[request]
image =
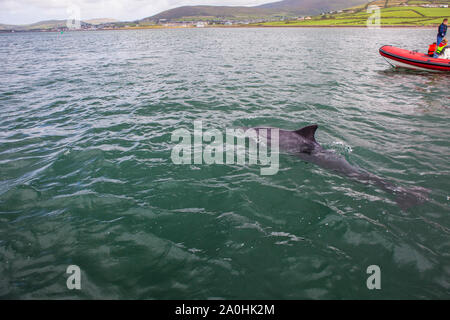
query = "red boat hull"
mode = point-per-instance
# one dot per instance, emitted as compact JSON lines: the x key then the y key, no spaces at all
{"x":413,"y":60}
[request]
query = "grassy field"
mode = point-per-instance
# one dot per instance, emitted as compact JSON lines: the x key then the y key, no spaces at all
{"x":393,"y":13}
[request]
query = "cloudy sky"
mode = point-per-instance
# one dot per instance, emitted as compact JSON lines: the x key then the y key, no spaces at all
{"x":29,"y":11}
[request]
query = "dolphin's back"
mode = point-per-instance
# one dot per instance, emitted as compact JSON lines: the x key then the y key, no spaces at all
{"x":302,"y":143}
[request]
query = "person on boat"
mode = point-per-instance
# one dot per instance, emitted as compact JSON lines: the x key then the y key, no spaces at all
{"x":442,"y":31}
{"x":432,"y":49}
{"x":441,"y":48}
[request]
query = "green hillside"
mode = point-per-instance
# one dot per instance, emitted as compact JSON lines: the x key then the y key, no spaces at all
{"x":42,"y":25}
{"x":52,"y":25}
{"x":393,"y":12}
{"x":289,"y":8}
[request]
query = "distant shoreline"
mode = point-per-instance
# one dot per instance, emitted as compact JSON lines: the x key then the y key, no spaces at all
{"x":321,"y":26}
{"x":230,"y":27}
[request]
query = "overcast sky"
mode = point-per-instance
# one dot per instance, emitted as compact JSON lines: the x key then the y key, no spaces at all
{"x":29,"y":11}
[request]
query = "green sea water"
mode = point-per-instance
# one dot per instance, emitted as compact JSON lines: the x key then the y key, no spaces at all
{"x":86,"y":176}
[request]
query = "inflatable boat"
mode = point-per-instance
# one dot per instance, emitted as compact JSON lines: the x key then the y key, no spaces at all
{"x":413,"y":60}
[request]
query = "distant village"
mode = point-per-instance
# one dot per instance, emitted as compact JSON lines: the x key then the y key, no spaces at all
{"x":166,"y":23}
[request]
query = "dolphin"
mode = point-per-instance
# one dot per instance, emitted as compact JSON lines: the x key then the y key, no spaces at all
{"x":302,"y":143}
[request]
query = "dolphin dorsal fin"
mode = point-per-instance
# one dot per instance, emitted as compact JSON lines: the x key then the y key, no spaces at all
{"x":308,"y":132}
